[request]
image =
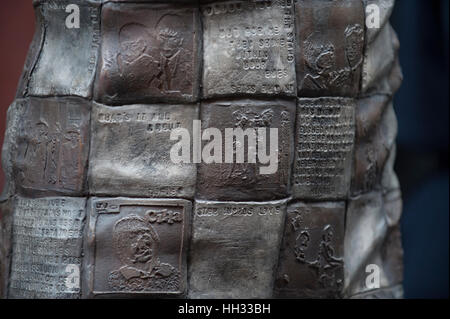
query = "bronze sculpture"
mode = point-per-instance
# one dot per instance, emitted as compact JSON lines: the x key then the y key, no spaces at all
{"x":95,"y":207}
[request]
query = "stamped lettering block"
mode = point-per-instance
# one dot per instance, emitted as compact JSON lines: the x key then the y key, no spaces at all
{"x":330,"y":40}
{"x":245,"y":181}
{"x":52,"y":146}
{"x":46,"y":247}
{"x":136,"y":247}
{"x":150,"y":53}
{"x":234,"y":248}
{"x":249,"y":48}
{"x":324,"y":148}
{"x":130,"y":153}
{"x":68,"y":56}
{"x":311,"y":263}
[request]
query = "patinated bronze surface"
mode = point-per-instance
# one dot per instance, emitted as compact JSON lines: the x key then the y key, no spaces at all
{"x":243,"y":181}
{"x":94,"y":206}
{"x":136,"y":247}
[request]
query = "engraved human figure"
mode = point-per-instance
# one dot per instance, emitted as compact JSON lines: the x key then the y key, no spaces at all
{"x":35,"y":154}
{"x":320,"y":57}
{"x":136,"y":244}
{"x":327,"y":263}
{"x":40,"y":163}
{"x":136,"y":65}
{"x":70,"y":156}
{"x":320,"y":60}
{"x":175,"y":61}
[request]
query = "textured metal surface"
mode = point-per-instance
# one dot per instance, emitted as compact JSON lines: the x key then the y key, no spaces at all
{"x":395,"y":292}
{"x":130,"y":153}
{"x":311,"y":260}
{"x":47,"y":237}
{"x":372,"y":238}
{"x":324,"y":148}
{"x":376,"y":129}
{"x":381,"y":72}
{"x":136,"y":247}
{"x":6,"y":211}
{"x":149,"y":53}
{"x":244,"y":181}
{"x":68,"y":56}
{"x":93,"y":115}
{"x":52,"y":146}
{"x":9,"y":148}
{"x":248,"y":48}
{"x":234,"y":248}
{"x":330,"y":37}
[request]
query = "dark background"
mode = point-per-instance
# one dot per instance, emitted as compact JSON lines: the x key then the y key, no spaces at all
{"x":422,"y":107}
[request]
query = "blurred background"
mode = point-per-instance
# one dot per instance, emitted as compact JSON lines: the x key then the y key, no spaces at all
{"x":422,"y":107}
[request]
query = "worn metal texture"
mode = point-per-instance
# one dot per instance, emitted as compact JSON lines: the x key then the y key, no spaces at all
{"x":92,"y":185}
{"x":234,"y":248}
{"x":248,"y":48}
{"x":46,"y":239}
{"x":395,"y":292}
{"x":136,"y":247}
{"x":6,"y":211}
{"x":244,"y":181}
{"x":149,"y":53}
{"x":52,"y":145}
{"x":376,"y":130}
{"x":130,"y":153}
{"x":330,"y":40}
{"x":311,"y":259}
{"x":373,"y":238}
{"x":9,"y":148}
{"x":67,"y":56}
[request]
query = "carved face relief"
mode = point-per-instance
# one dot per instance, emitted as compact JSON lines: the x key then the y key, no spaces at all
{"x":149,"y":54}
{"x":137,"y":249}
{"x":329,"y":61}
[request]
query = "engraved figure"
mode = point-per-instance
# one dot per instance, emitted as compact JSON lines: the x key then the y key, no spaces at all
{"x":35,"y":154}
{"x":354,"y":42}
{"x":70,"y":157}
{"x":136,"y":244}
{"x":175,"y":61}
{"x":320,"y":57}
{"x":137,"y":67}
{"x":326,"y":264}
{"x":40,"y":163}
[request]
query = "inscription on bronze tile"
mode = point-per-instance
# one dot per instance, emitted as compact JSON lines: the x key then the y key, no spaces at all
{"x":47,"y":238}
{"x":330,"y":39}
{"x":137,"y":247}
{"x":68,"y":58}
{"x":130,"y":153}
{"x":234,"y":248}
{"x":249,"y":48}
{"x":52,"y":146}
{"x":311,"y":261}
{"x":149,"y":53}
{"x":244,"y":181}
{"x":324,"y":145}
